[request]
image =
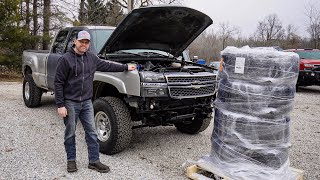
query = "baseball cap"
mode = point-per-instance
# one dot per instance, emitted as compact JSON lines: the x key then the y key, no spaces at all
{"x":83,"y":35}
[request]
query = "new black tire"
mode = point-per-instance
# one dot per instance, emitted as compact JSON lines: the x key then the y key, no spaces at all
{"x":195,"y":126}
{"x":31,"y":93}
{"x":113,"y":124}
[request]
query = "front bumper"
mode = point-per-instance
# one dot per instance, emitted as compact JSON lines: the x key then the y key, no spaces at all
{"x":309,"y":78}
{"x":165,"y":111}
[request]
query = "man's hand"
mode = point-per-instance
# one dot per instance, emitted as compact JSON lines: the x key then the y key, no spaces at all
{"x":131,"y":67}
{"x":62,"y":112}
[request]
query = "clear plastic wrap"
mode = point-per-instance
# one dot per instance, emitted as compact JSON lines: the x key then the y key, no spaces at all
{"x":262,"y":65}
{"x":266,"y":101}
{"x":250,"y":139}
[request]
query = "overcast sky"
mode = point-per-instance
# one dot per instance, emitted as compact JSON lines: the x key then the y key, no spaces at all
{"x":245,"y":14}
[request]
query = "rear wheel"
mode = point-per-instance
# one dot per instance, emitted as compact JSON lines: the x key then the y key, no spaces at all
{"x":199,"y":124}
{"x":31,"y":93}
{"x":113,"y":124}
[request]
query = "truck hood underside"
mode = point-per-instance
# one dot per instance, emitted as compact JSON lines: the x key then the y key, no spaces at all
{"x":166,"y":28}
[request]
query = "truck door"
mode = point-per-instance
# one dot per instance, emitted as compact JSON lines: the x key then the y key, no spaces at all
{"x":57,"y":50}
{"x":61,"y":45}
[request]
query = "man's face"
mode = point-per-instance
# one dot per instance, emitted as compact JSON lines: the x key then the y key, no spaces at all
{"x":82,"y":45}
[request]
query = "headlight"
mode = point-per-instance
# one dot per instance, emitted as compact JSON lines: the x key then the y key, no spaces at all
{"x":154,"y":90}
{"x":153,"y":85}
{"x":152,"y":77}
{"x":308,"y":65}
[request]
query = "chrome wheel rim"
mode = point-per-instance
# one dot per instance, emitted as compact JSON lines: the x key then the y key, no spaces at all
{"x":26,"y":90}
{"x":103,"y":126}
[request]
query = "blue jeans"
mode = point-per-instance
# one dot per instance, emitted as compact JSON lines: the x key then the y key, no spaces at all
{"x":84,"y":112}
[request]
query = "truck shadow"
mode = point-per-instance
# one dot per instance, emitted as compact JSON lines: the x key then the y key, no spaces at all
{"x":47,"y":100}
{"x":309,"y":90}
{"x":158,"y":139}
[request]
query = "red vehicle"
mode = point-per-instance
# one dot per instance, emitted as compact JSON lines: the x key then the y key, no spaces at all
{"x":309,"y":70}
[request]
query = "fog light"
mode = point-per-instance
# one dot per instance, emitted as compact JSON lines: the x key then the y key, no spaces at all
{"x":160,"y":92}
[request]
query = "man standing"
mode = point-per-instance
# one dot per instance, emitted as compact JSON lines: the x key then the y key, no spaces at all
{"x":73,"y":92}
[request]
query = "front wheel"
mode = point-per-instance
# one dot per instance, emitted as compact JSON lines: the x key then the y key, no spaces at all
{"x":113,"y":124}
{"x":31,"y":93}
{"x":195,"y":126}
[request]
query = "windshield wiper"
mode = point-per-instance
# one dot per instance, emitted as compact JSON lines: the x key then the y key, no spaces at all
{"x":126,"y":53}
{"x":153,"y":54}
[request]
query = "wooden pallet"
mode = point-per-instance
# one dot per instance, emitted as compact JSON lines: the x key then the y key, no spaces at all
{"x":195,"y":171}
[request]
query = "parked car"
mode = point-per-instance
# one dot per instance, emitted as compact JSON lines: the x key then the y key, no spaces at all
{"x":309,"y":68}
{"x":166,"y":89}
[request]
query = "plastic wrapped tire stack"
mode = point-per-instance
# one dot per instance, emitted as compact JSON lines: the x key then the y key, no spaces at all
{"x":250,"y":139}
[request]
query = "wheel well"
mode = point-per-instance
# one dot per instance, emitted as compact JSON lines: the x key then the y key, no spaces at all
{"x":27,"y":70}
{"x":102,"y":89}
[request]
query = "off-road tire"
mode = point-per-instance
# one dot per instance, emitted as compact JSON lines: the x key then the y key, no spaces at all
{"x":31,"y":93}
{"x":120,"y":122}
{"x":195,"y":126}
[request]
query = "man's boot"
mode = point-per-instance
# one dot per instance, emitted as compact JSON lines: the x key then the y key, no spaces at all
{"x":72,"y":166}
{"x":98,"y":166}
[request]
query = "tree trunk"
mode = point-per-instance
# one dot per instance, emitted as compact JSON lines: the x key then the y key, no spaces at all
{"x":35,"y":23}
{"x":35,"y":17}
{"x":46,"y":24}
{"x":223,"y":43}
{"x":27,"y":26}
{"x":81,"y":12}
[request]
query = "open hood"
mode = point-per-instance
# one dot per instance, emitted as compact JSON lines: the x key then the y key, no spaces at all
{"x":166,"y":28}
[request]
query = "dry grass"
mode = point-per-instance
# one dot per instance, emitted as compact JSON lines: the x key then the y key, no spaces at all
{"x":11,"y":76}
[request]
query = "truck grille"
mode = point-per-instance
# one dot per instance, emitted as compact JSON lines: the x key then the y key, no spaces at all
{"x":190,"y":79}
{"x":189,"y":92}
{"x":190,"y":86}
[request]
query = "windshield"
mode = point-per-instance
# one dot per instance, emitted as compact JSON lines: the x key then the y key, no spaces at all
{"x":309,"y":54}
{"x":99,"y":37}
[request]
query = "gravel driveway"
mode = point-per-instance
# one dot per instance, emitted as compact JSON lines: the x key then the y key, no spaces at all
{"x":31,"y":143}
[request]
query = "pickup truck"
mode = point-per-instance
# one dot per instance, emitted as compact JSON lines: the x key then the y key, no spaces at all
{"x":309,"y":68}
{"x":166,"y":89}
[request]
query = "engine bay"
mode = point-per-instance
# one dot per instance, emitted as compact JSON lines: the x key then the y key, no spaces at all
{"x":169,"y":66}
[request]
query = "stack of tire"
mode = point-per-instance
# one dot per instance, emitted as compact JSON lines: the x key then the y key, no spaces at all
{"x":251,"y":123}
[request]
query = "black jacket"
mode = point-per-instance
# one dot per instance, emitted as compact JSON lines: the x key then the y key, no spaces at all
{"x":74,"y":75}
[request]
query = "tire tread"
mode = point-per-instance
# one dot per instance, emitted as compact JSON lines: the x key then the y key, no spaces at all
{"x":35,"y":93}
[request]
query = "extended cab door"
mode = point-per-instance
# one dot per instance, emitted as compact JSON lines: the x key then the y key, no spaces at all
{"x":57,"y":50}
{"x":63,"y":42}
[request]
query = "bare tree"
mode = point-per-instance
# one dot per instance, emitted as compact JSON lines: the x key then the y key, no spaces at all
{"x":143,"y":3}
{"x":292,"y":39}
{"x":64,"y":12}
{"x":206,"y":46}
{"x":226,"y":31}
{"x":313,"y":13}
{"x":270,"y":30}
{"x":115,"y":13}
